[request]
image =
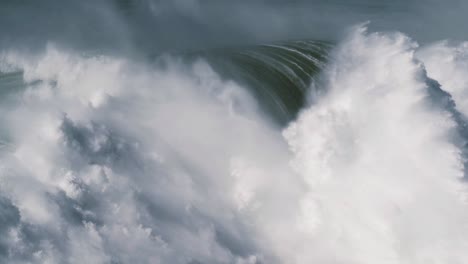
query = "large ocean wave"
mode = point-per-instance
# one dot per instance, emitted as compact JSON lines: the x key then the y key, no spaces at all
{"x":289,"y":152}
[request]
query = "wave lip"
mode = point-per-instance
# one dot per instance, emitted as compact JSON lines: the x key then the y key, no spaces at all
{"x":279,"y":75}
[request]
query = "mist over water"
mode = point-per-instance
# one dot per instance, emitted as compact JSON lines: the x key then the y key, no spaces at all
{"x":155,"y":26}
{"x":221,"y":132}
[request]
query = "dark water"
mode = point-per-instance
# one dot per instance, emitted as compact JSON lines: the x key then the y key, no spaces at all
{"x":279,"y":75}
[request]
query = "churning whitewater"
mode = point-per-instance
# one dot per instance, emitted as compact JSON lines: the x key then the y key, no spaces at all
{"x":190,"y":159}
{"x":108,"y":161}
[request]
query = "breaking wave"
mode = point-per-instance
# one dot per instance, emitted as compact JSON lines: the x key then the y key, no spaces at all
{"x":296,"y":152}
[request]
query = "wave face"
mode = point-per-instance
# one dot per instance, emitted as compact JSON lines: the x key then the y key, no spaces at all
{"x":278,"y":75}
{"x":291,"y":152}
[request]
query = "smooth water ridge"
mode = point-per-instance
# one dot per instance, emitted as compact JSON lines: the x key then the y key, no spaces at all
{"x":190,"y":132}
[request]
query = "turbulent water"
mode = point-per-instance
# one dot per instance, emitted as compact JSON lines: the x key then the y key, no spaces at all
{"x":288,"y":151}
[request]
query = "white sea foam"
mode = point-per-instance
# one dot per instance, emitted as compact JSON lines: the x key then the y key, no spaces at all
{"x":120,"y":161}
{"x":384,"y":181}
